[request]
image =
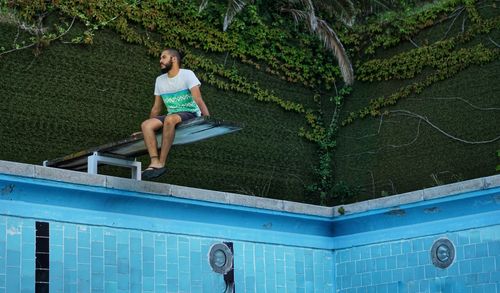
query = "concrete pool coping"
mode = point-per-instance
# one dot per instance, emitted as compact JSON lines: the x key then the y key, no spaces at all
{"x":164,"y":189}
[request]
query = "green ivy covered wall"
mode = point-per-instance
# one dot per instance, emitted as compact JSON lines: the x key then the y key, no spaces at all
{"x":421,"y":112}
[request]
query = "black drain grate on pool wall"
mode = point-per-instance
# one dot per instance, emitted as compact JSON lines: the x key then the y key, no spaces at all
{"x":42,"y":258}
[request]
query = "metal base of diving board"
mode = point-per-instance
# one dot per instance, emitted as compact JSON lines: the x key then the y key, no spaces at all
{"x":123,"y":153}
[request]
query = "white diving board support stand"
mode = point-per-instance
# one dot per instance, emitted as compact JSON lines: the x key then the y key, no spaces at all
{"x":123,"y":153}
{"x":95,"y":159}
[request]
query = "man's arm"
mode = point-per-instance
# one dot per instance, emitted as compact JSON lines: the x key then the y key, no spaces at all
{"x":196,"y":93}
{"x":157,"y":107}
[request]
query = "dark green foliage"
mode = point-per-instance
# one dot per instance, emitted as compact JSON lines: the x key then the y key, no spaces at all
{"x":424,"y":110}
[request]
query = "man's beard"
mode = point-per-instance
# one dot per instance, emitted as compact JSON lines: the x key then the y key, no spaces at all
{"x":167,"y":67}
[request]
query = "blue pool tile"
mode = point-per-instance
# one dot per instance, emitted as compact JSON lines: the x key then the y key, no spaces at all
{"x":345,"y":282}
{"x":474,"y":236}
{"x":97,"y":249}
{"x":424,"y":286}
{"x":464,"y":267}
{"x":365,"y":252}
{"x":70,"y":261}
{"x":69,"y":231}
{"x":111,"y":287}
{"x":83,"y":255}
{"x":429,"y":241}
{"x":412,"y":259}
{"x":110,"y":273}
{"x":396,"y":248}
{"x":97,"y":265}
{"x":430,"y":271}
{"x":148,"y":269}
{"x":184,"y":265}
{"x":161,"y":277}
{"x":401,"y":261}
{"x":391,"y":262}
{"x":161,"y":262}
{"x":495,"y":276}
{"x":355,"y":253}
{"x":110,"y":257}
{"x":406,"y":247}
{"x":385,"y":249}
{"x":483,"y":278}
{"x":172,"y":271}
{"x":369,"y":265}
{"x":83,"y":236}
{"x":476,"y":265}
{"x":13,"y":258}
{"x":376,"y":278}
{"x":96,"y":234}
{"x":344,"y":255}
{"x":350,"y":268}
{"x":341,"y":269}
{"x":463,"y":238}
{"x":417,"y":245}
{"x":419,"y":272}
{"x":356,"y":280}
{"x":2,"y":265}
{"x":489,"y":264}
{"x":161,"y":247}
{"x":380,"y":264}
{"x":423,"y":258}
{"x":135,"y":245}
{"x":148,"y":284}
{"x":148,"y":254}
{"x":366,"y":279}
{"x":470,"y":251}
{"x":494,"y":248}
{"x":122,"y":236}
{"x":123,"y":250}
{"x":172,"y":242}
{"x":360,"y":266}
{"x":453,"y":270}
{"x":299,"y":267}
{"x":383,"y":288}
{"x":481,"y":250}
{"x":375,"y":251}
{"x":397,"y":275}
{"x":490,"y":287}
{"x":386,"y":277}
{"x":408,"y":275}
{"x":109,"y":241}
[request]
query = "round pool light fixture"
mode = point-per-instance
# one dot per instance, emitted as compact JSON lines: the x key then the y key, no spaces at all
{"x":220,"y":258}
{"x":442,"y":253}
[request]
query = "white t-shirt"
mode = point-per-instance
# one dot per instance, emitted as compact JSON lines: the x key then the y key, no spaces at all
{"x":176,"y":93}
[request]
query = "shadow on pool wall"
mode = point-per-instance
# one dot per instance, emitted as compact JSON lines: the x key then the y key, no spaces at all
{"x":66,"y":231}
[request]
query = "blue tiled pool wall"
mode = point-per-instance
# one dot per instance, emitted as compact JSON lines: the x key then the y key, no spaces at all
{"x":102,"y":259}
{"x":406,"y":265}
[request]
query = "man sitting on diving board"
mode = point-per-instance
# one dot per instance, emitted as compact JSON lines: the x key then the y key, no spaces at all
{"x":179,"y":90}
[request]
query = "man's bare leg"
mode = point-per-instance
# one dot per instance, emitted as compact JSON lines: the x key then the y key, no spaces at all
{"x":169,"y":125}
{"x":149,"y":128}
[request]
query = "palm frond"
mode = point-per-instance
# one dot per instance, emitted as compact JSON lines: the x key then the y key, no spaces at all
{"x":332,"y":43}
{"x":203,"y":5}
{"x":301,"y":15}
{"x":233,"y":7}
{"x":329,"y":38}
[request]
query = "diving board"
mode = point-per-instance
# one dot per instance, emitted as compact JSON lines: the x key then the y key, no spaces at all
{"x":123,"y":153}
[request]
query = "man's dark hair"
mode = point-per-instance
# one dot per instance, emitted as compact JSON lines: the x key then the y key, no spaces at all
{"x":176,"y":54}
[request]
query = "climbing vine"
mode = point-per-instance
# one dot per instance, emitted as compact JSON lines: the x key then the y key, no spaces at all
{"x":277,"y":47}
{"x":446,"y":57}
